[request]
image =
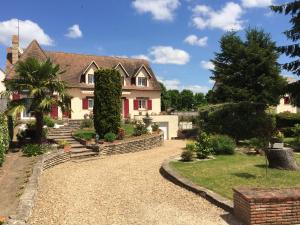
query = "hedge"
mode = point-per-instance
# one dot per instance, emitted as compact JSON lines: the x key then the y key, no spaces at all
{"x":243,"y":120}
{"x":4,"y":137}
{"x":287,"y":119}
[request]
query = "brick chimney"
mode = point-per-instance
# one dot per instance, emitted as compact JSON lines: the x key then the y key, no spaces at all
{"x":15,"y":49}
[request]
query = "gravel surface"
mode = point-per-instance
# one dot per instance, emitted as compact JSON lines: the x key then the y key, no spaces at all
{"x":121,"y":190}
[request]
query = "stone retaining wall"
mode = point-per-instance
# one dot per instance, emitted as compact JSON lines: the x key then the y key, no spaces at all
{"x":134,"y":145}
{"x":55,"y":159}
{"x":267,"y":206}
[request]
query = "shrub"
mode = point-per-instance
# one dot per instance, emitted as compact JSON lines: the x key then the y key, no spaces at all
{"x":238,"y":120}
{"x":107,"y":101}
{"x":296,"y":130}
{"x":85,"y":134}
{"x":33,"y":150}
{"x":63,"y":143}
{"x":121,"y":133}
{"x":87,"y":123}
{"x":155,"y":127}
{"x":139,"y":129}
{"x":48,"y":121}
{"x":110,"y":137}
{"x":223,"y":145}
{"x":187,"y":155}
{"x":190,"y":146}
{"x":4,"y":137}
{"x":30,"y":133}
{"x":203,"y":146}
{"x":287,"y":119}
{"x":258,"y":143}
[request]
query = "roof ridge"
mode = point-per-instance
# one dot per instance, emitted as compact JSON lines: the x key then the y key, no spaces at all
{"x":85,"y":54}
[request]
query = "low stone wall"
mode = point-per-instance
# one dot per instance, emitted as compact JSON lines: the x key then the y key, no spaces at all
{"x":56,"y":158}
{"x":267,"y":206}
{"x":133,"y":145}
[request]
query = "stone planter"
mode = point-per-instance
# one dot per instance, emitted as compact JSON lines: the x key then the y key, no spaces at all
{"x":148,"y":122}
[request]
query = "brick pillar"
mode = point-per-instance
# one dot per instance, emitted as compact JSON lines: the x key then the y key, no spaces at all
{"x":15,"y":49}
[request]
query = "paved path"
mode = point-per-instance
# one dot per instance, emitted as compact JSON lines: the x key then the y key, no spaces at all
{"x":120,"y":190}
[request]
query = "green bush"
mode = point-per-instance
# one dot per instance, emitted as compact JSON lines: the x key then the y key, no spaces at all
{"x":87,"y":123}
{"x":187,"y":155}
{"x":48,"y":121}
{"x":85,"y":134}
{"x":238,"y":120}
{"x":203,"y":146}
{"x":190,"y":146}
{"x":107,"y":101}
{"x":296,"y":130}
{"x":33,"y":150}
{"x":110,"y":137}
{"x":287,"y":119}
{"x":223,"y":145}
{"x":258,"y":143}
{"x":4,"y":137}
{"x":139,"y":129}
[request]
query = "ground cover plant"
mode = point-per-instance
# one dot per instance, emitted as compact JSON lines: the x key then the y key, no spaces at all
{"x":228,"y":171}
{"x":4,"y":137}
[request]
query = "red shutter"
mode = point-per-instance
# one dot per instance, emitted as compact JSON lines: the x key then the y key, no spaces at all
{"x":135,"y":104}
{"x":149,"y":104}
{"x":54,"y":111}
{"x":126,"y":108}
{"x":16,"y":96}
{"x":85,"y":103}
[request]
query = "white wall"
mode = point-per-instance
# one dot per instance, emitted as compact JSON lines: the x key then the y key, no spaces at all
{"x":2,"y":77}
{"x":285,"y":107}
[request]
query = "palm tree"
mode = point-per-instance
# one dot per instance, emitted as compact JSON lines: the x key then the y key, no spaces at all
{"x":40,"y":82}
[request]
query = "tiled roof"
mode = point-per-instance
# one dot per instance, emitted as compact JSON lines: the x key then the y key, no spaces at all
{"x":74,"y":65}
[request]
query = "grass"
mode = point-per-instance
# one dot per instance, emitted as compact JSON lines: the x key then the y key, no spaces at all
{"x":226,"y":172}
{"x":89,"y":133}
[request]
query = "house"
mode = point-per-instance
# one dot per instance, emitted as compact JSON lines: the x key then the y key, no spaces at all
{"x":3,"y":100}
{"x":140,"y":88}
{"x":285,"y":103}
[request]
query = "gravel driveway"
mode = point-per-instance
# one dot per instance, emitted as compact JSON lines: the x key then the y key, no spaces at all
{"x":120,"y":190}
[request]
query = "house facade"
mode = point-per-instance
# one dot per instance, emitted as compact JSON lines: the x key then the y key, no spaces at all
{"x":285,"y":102}
{"x":140,"y":88}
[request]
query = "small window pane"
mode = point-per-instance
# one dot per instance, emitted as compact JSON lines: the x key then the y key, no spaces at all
{"x":90,"y":78}
{"x":91,"y":103}
{"x":142,"y":81}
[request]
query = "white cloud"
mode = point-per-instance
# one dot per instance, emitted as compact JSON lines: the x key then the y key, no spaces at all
{"x":176,"y":84}
{"x":257,"y":3}
{"x":196,"y":41}
{"x":208,"y":65}
{"x":169,"y":55}
{"x":74,"y":32}
{"x":228,"y":18}
{"x":28,"y":31}
{"x":160,"y":9}
{"x":211,"y":81}
{"x":141,"y":57}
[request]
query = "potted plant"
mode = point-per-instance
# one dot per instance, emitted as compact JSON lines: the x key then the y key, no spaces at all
{"x":65,"y":145}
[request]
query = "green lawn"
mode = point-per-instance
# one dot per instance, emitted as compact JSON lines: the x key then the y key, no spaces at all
{"x":89,"y":133}
{"x":226,"y":172}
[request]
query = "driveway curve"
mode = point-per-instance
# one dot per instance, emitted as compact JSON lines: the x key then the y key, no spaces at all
{"x":121,"y":190}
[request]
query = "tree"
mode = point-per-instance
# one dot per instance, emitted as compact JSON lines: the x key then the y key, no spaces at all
{"x":107,"y":101}
{"x":40,"y":82}
{"x":186,"y":99}
{"x":199,"y":99}
{"x":165,"y":98}
{"x":292,"y":50}
{"x":247,"y":70}
{"x":174,"y":99}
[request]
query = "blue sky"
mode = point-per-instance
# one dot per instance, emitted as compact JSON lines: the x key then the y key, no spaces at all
{"x":178,"y":36}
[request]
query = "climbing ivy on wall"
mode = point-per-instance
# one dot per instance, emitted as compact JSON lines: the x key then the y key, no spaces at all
{"x":4,"y":137}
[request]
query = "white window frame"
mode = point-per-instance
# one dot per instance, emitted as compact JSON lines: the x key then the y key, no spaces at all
{"x":88,"y":80}
{"x":140,"y":82}
{"x":26,"y":115}
{"x":89,"y":101}
{"x":142,"y":103}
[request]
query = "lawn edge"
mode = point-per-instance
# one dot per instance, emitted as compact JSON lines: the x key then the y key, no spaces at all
{"x":172,"y":175}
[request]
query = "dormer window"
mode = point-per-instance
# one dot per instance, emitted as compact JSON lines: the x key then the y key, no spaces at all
{"x":142,"y":81}
{"x":90,"y":79}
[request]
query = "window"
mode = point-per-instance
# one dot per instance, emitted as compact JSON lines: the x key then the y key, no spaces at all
{"x":91,"y":103}
{"x":142,"y":103}
{"x":90,"y":78}
{"x":286,"y":100}
{"x":142,"y":81}
{"x":26,"y":112}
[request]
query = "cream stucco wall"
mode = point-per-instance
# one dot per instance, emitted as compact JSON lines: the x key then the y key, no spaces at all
{"x":76,"y":103}
{"x":286,"y":107}
{"x":2,"y":77}
{"x":170,"y":120}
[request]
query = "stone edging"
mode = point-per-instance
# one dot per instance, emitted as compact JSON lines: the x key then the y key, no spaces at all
{"x":173,"y":176}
